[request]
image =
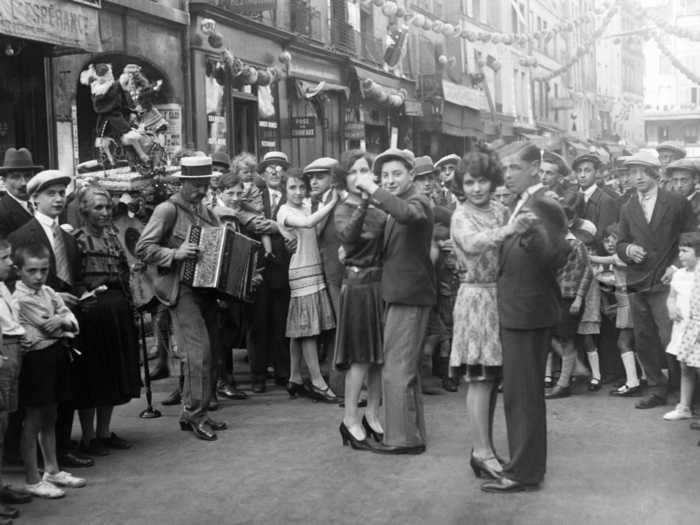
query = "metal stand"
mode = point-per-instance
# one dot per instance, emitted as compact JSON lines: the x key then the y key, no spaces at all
{"x":149,"y":412}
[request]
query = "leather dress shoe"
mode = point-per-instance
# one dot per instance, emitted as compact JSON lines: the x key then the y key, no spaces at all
{"x":8,"y":512}
{"x":158,"y":372}
{"x":558,"y":392}
{"x":652,"y":401}
{"x":503,"y":485}
{"x":73,"y":460}
{"x":627,"y":391}
{"x":695,"y":425}
{"x":11,"y":496}
{"x":216,"y":425}
{"x":229,"y":391}
{"x":115,"y":442}
{"x":200,"y":430}
{"x":175,"y":398}
{"x":259,"y":387}
{"x":381,"y":448}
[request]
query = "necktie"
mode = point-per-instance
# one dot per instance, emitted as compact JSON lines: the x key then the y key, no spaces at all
{"x":314,"y":206}
{"x":275,"y":199}
{"x":30,"y":207}
{"x":59,"y":252}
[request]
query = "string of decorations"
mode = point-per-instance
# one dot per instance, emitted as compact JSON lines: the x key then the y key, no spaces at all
{"x":392,"y":10}
{"x":665,"y":26}
{"x":242,"y":75}
{"x":695,"y":79}
{"x":584,"y":49}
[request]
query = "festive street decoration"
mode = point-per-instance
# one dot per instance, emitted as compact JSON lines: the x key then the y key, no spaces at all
{"x":241,"y":75}
{"x":379,"y":94}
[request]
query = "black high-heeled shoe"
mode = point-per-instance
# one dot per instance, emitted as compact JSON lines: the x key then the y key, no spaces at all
{"x":349,"y":439}
{"x":377,"y":436}
{"x":295,"y":389}
{"x":324,"y":395}
{"x":481,"y":469}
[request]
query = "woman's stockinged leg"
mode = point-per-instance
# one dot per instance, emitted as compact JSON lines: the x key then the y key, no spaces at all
{"x":310,"y":352}
{"x":354,"y":378}
{"x":479,"y":414}
{"x":295,"y":361}
{"x":374,"y":397}
{"x":104,"y":421}
{"x":87,"y":424}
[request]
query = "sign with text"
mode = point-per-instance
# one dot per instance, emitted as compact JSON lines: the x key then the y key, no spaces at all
{"x":54,"y":21}
{"x":268,"y":134}
{"x":173,"y":135}
{"x":303,"y":127}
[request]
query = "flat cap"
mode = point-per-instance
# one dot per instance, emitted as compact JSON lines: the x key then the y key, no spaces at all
{"x":684,"y":164}
{"x":447,"y":159}
{"x":393,"y":154}
{"x":274,"y":157}
{"x":550,"y":156}
{"x":643,"y":158}
{"x":587,"y":157}
{"x":320,"y":165}
{"x":675,"y":147}
{"x":424,"y":166}
{"x":46,"y":178}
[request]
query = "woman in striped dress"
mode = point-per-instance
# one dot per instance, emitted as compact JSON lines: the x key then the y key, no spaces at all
{"x":310,"y":309}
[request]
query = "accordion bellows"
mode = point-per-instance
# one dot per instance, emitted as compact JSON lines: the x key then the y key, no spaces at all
{"x":226,"y":261}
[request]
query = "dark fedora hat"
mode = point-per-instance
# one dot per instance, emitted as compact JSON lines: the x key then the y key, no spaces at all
{"x":19,"y":160}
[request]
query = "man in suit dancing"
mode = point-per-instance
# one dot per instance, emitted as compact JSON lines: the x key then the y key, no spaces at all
{"x":651,"y":223}
{"x":15,"y":208}
{"x":528,"y":304}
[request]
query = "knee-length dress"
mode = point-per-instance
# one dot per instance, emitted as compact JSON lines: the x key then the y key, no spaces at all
{"x":689,"y":348}
{"x":477,"y":234}
{"x":310,"y":309}
{"x":107,"y":373}
{"x":358,"y":334}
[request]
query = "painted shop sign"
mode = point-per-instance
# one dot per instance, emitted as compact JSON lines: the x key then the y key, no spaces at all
{"x":268,"y":134}
{"x":354,"y":131}
{"x":303,"y":127}
{"x":173,"y":136}
{"x":54,"y":21}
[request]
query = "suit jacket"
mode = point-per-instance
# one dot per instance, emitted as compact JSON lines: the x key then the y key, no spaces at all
{"x":328,"y":244}
{"x":276,"y":272}
{"x":12,"y":215}
{"x":408,"y":276}
{"x":528,"y":294}
{"x":672,"y":216}
{"x":32,"y":233}
{"x":695,"y":205}
{"x":602,"y":210}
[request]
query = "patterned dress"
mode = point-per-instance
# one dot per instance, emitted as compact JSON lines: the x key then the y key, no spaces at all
{"x":689,"y":347}
{"x":477,"y":234}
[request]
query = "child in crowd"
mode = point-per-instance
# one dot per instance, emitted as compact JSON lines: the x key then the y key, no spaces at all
{"x":44,"y":378}
{"x":684,"y":310}
{"x":574,"y":281}
{"x":616,"y":277}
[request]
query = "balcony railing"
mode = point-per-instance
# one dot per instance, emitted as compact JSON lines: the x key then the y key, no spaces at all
{"x":262,"y":10}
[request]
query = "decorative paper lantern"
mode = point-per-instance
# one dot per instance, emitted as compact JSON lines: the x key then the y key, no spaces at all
{"x":264,"y":77}
{"x":496,"y":38}
{"x":418,"y":20}
{"x":216,"y":40}
{"x":472,"y":36}
{"x":485,"y":37}
{"x":400,"y":12}
{"x":285,"y":57}
{"x":395,"y":100}
{"x":437,"y":26}
{"x":508,"y":40}
{"x":442,"y":59}
{"x":390,"y":8}
{"x":448,"y":30}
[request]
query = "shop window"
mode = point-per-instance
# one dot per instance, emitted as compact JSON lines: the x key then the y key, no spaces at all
{"x":662,"y":133}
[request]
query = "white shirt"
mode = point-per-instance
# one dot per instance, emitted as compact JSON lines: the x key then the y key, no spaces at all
{"x":648,"y":202}
{"x":588,"y":192}
{"x":22,"y":203}
{"x":524,"y":196}
{"x":9,"y":311}
{"x":47,"y":223}
{"x":690,"y":197}
{"x":275,"y":197}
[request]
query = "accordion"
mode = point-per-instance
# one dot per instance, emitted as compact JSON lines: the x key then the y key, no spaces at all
{"x":226,"y":261}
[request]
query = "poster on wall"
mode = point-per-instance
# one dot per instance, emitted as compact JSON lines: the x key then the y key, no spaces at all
{"x":172,"y":113}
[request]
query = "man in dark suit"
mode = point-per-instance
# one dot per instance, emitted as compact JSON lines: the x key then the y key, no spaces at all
{"x":15,"y":209}
{"x":318,"y":173}
{"x":651,"y":223}
{"x":528,"y":304}
{"x":266,"y":341}
{"x":47,"y":190}
{"x":409,"y":291}
{"x":600,"y":207}
{"x":553,"y":174}
{"x":683,"y":175}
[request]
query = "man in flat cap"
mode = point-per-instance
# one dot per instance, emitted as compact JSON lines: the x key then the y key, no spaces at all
{"x":47,"y":191}
{"x":553,"y":174}
{"x":15,"y":208}
{"x":683,"y":175}
{"x":319,"y":175}
{"x":669,"y":151}
{"x":599,"y":207}
{"x":446,"y":167}
{"x":650,"y":225}
{"x":408,"y":289}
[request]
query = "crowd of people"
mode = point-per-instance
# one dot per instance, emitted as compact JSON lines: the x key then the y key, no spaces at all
{"x":513,"y":271}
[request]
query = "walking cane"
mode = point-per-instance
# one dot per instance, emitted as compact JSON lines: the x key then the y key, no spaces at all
{"x":149,"y":412}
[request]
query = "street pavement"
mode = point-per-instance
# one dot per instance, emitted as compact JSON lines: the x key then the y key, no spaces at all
{"x":282,"y":461}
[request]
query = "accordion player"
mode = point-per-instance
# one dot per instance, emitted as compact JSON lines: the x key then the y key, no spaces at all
{"x":226,"y":262}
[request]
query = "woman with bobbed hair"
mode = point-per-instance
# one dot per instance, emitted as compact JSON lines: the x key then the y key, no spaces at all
{"x":358,"y":341}
{"x":107,"y":372}
{"x":479,"y":226}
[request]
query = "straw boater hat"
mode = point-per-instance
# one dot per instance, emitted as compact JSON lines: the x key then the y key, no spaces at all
{"x":46,"y":178}
{"x":18,"y":160}
{"x":447,"y":159}
{"x":672,"y":147}
{"x":274,"y":157}
{"x":195,"y":168}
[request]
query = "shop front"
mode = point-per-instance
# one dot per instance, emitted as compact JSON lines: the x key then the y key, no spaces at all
{"x":31,"y":33}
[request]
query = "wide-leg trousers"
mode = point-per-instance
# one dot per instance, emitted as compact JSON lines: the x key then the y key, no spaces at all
{"x":404,"y":331}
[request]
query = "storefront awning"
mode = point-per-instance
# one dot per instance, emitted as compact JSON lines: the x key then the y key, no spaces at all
{"x":59,"y":22}
{"x":464,"y":96}
{"x":385,"y":80}
{"x":460,"y":121}
{"x":308,"y":90}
